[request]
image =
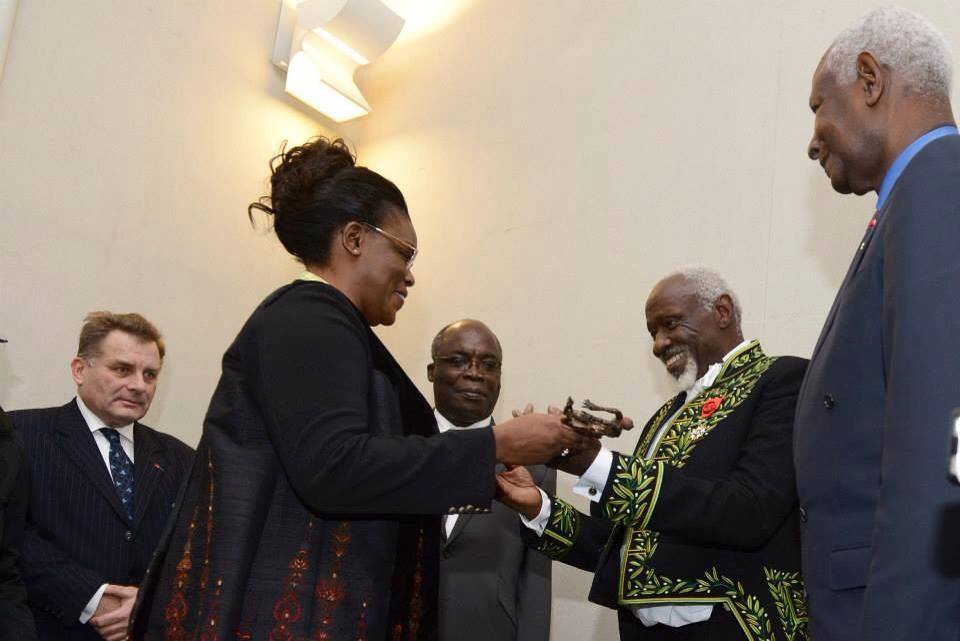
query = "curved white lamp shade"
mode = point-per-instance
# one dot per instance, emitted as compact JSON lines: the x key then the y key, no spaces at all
{"x":321,"y":43}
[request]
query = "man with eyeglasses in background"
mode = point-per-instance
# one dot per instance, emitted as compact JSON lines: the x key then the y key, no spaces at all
{"x":492,"y":586}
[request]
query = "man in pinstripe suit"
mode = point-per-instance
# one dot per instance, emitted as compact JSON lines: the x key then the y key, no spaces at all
{"x":102,"y":484}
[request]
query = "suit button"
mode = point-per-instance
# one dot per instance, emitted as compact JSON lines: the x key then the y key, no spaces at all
{"x":828,"y":401}
{"x":803,"y":515}
{"x":446,"y":554}
{"x":128,"y":536}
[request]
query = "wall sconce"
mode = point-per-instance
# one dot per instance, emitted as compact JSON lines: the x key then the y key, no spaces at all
{"x":321,"y":44}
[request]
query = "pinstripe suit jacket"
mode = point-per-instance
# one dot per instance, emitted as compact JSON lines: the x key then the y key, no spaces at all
{"x":77,"y":536}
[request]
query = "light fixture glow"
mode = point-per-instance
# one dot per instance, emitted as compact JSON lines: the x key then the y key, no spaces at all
{"x":341,"y":46}
{"x":321,"y":44}
{"x":305,"y":84}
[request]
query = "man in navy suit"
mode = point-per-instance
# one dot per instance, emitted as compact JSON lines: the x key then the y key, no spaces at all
{"x":879,"y":515}
{"x":102,"y":484}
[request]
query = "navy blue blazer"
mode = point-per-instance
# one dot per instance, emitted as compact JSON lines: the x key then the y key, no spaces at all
{"x":77,"y":536}
{"x":880,"y":518}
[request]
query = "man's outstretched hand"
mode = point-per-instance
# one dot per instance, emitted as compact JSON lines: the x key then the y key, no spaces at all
{"x":516,"y":490}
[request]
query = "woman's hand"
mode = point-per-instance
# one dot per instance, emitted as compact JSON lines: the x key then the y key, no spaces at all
{"x":536,"y":438}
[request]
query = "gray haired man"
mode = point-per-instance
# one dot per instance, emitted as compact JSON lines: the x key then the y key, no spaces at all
{"x":881,"y":520}
{"x":693,"y":535}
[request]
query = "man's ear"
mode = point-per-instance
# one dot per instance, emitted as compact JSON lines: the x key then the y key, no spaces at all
{"x":723,"y":308}
{"x":78,"y":368}
{"x":871,"y":77}
{"x":430,"y":372}
{"x":351,"y":238}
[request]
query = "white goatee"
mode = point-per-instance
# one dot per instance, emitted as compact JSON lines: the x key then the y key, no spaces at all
{"x":689,"y":375}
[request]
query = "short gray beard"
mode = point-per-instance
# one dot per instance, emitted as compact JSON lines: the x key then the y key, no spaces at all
{"x":689,"y":375}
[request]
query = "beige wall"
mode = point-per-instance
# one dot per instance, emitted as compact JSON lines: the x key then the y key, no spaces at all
{"x":132,"y":137}
{"x":558,"y":156}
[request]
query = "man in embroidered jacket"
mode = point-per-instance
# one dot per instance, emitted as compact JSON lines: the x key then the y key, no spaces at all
{"x":696,"y":535}
{"x":881,"y":519}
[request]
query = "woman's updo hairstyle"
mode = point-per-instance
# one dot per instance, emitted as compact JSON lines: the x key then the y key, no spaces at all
{"x":315,"y":189}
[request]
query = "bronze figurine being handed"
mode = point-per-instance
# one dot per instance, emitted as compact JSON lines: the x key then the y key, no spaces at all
{"x":590,"y":425}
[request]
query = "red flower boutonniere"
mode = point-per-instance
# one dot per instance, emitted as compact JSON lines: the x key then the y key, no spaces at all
{"x":710,"y":406}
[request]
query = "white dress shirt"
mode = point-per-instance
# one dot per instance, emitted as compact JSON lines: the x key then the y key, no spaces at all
{"x":449,"y":520}
{"x":591,"y":485}
{"x":103,"y":444}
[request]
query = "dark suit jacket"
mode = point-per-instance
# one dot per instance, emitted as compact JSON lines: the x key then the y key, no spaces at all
{"x":313,"y":507}
{"x":77,"y":535}
{"x":880,"y":538}
{"x":16,"y":622}
{"x":492,"y":585}
{"x":711,"y":519}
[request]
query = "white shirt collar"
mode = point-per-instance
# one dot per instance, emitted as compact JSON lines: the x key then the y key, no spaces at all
{"x":443,"y":424}
{"x":710,"y":375}
{"x":95,"y":424}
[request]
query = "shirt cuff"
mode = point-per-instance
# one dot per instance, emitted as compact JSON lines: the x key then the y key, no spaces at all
{"x":539,"y":523}
{"x":675,"y":616}
{"x":591,"y":484}
{"x":92,"y":604}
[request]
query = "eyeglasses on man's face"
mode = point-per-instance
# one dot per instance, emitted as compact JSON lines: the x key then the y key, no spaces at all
{"x":462,"y":363}
{"x":407,"y":251}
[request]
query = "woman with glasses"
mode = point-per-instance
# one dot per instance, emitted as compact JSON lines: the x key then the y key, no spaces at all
{"x":313,"y":509}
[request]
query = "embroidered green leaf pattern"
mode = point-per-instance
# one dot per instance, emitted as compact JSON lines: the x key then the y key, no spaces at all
{"x":561,"y":531}
{"x":651,"y":428}
{"x":790,"y":597}
{"x":734,"y":385}
{"x":633,"y":490}
{"x":633,"y":498}
{"x":750,"y":612}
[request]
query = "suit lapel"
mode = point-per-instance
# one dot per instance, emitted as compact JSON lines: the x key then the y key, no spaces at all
{"x":149,"y":466}
{"x":78,"y":443}
{"x":458,"y":527}
{"x":854,"y":265}
{"x":667,"y":410}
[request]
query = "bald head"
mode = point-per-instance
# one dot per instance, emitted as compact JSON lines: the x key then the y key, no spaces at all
{"x":465,"y":371}
{"x":456,"y":327}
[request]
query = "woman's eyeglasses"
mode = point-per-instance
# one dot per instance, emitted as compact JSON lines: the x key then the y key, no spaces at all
{"x":407,"y":251}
